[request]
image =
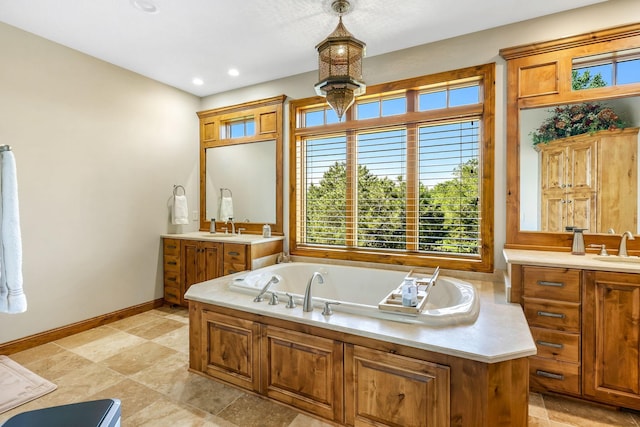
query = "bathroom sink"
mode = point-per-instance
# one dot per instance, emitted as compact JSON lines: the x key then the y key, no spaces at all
{"x":613,"y":258}
{"x":222,"y":235}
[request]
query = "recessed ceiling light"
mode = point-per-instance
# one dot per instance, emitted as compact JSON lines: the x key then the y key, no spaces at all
{"x":197,"y":81}
{"x":146,"y":6}
{"x":234,"y":72}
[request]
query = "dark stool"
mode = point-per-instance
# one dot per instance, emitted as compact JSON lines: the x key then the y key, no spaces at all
{"x":97,"y":413}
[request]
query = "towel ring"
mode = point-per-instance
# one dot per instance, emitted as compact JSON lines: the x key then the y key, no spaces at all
{"x":176,"y":188}
{"x":222,"y":189}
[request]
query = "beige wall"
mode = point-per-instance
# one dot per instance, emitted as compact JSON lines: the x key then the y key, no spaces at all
{"x":459,"y":52}
{"x":98,"y":150}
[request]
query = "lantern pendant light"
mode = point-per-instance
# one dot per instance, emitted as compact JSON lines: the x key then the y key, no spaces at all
{"x":340,"y":65}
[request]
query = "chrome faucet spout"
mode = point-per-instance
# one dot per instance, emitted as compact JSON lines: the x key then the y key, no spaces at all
{"x":622,"y":249}
{"x":272,"y":281}
{"x":307,"y":304}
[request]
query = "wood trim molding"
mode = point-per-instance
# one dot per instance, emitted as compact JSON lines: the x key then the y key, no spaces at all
{"x":35,"y":340}
{"x":570,"y":42}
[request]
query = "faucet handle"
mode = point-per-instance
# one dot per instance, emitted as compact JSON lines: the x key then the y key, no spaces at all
{"x":327,"y":311}
{"x":603,"y":249}
{"x":240,"y":230}
{"x":274,"y":299}
{"x":291,"y":303}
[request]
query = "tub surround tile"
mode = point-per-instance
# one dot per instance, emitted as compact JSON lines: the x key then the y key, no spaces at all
{"x":500,"y":332}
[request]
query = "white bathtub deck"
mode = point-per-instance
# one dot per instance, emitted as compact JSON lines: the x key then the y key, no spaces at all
{"x":500,"y":333}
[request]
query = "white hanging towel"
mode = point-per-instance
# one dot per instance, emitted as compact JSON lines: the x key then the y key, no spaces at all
{"x":12,"y":297}
{"x":179,"y":210}
{"x":226,"y":208}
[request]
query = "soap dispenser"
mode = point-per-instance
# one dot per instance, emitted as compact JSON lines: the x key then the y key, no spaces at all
{"x":577,"y":247}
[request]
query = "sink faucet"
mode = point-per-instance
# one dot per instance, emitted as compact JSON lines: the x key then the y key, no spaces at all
{"x":622,"y":249}
{"x":272,"y":281}
{"x":233,"y":226}
{"x":307,"y":304}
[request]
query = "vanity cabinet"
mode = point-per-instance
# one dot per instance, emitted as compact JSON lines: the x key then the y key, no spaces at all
{"x":612,"y":338}
{"x":581,"y":179}
{"x":552,"y":305}
{"x":190,"y":261}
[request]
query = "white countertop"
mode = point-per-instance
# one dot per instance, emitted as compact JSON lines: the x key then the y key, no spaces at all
{"x":247,"y":239}
{"x":500,"y":333}
{"x":567,"y":260}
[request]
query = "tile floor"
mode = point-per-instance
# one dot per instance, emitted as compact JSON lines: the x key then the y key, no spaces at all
{"x":142,"y":360}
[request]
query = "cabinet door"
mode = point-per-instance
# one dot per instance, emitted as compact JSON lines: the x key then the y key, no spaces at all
{"x":553,"y":211}
{"x":190,"y":264}
{"x":581,"y":170}
{"x":387,"y":389}
{"x":230,"y":349}
{"x":611,"y":338}
{"x":304,"y":371}
{"x":209,"y":261}
{"x":582,"y":210}
{"x":554,"y":165}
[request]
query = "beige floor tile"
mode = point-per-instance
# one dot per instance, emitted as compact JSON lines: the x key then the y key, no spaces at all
{"x":135,"y":321}
{"x":302,"y":420}
{"x":249,"y":410}
{"x":166,"y":375}
{"x":86,"y":337}
{"x":155,"y":328}
{"x":165,"y":413}
{"x":103,"y":348}
{"x":134,"y":397}
{"x":177,"y":339}
{"x":537,"y":422}
{"x":202,"y":393}
{"x":137,"y":358}
{"x":37,"y":353}
{"x":58,"y":365}
{"x":87,"y":381}
{"x":581,"y":414}
{"x":536,"y":406}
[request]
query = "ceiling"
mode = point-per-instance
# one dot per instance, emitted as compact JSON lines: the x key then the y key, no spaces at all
{"x":263,"y":39}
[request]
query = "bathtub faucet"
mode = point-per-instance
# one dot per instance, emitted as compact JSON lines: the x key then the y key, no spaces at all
{"x":307,"y":304}
{"x":272,"y":281}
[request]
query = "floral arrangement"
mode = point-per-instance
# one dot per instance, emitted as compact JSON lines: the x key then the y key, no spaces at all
{"x":576,"y":119}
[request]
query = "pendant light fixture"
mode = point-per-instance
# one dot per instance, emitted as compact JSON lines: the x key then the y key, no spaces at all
{"x":340,"y":65}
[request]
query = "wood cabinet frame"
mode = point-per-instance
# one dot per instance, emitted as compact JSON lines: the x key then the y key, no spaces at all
{"x":539,"y":75}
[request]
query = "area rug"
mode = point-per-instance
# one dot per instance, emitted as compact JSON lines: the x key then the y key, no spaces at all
{"x":19,"y":385}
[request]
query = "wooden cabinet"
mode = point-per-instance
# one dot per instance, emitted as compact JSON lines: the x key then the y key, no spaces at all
{"x":552,"y":305}
{"x":303,"y":371}
{"x":186,"y":262}
{"x":230,"y":349}
{"x":387,"y":389}
{"x":200,"y":262}
{"x":172,"y":271}
{"x":587,"y":178}
{"x":611,"y":350}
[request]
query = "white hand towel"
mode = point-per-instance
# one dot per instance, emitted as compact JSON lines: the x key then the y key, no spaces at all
{"x":180,"y":210}
{"x":226,"y":208}
{"x":12,"y":297}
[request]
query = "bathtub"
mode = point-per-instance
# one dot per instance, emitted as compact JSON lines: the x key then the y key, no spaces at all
{"x":359,"y":290}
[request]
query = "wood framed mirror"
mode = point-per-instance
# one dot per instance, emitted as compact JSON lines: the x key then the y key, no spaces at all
{"x":541,"y":77}
{"x":241,"y":149}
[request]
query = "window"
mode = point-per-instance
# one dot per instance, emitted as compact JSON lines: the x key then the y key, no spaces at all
{"x":608,"y":69}
{"x":239,"y":129}
{"x":406,"y":178}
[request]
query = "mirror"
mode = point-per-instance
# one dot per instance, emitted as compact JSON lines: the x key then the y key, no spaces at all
{"x":247,"y":174}
{"x":532,"y":201}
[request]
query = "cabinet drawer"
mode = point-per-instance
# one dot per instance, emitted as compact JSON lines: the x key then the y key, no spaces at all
{"x":230,"y":268}
{"x":171,"y":294}
{"x":556,"y":345}
{"x":235,"y":253}
{"x":552,"y":283}
{"x":563,"y":316}
{"x":171,"y":263}
{"x":554,"y":376}
{"x":172,"y":278}
{"x":171,"y":247}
